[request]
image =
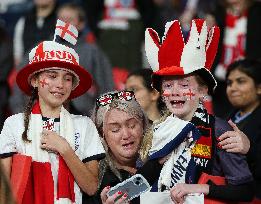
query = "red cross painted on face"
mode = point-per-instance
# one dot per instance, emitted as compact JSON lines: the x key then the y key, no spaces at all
{"x":43,"y":83}
{"x":66,"y":30}
{"x":190,"y":94}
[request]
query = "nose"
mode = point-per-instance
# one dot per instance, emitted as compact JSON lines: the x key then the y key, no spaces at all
{"x":125,"y":133}
{"x":175,"y":91}
{"x":59,"y":82}
{"x":232,"y":86}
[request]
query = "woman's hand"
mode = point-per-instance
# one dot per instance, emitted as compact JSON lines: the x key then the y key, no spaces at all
{"x":234,"y":141}
{"x":117,"y":198}
{"x":51,"y":141}
{"x":179,"y":192}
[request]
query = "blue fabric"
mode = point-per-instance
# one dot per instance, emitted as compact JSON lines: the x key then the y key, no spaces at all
{"x":169,"y":147}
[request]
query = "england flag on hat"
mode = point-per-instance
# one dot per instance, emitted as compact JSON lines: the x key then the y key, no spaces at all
{"x":66,"y":31}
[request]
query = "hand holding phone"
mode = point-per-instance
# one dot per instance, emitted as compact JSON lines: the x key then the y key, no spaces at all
{"x":133,"y":187}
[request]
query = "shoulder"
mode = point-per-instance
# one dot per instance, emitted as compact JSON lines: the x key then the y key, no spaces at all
{"x":80,"y":118}
{"x":221,"y":126}
{"x":15,"y":119}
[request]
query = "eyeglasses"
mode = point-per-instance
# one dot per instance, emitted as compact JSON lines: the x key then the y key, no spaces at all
{"x":107,"y":98}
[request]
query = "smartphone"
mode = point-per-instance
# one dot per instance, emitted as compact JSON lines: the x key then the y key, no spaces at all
{"x":133,"y":186}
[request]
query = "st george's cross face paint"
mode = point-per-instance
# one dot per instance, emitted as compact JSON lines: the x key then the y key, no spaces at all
{"x":181,"y":95}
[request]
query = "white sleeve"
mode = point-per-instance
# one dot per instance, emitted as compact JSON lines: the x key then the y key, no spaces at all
{"x":91,"y":146}
{"x":7,"y":140}
{"x":18,"y":40}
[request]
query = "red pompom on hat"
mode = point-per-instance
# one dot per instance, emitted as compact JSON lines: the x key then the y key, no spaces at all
{"x":50,"y":54}
{"x":174,"y":57}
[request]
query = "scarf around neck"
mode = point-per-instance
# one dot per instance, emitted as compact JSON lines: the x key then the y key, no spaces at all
{"x":40,"y":187}
{"x":173,"y":137}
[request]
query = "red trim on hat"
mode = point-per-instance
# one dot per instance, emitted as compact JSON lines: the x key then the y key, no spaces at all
{"x":85,"y":79}
{"x":170,"y":71}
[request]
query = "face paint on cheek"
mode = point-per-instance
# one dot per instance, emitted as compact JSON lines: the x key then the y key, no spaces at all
{"x":43,"y":83}
{"x":189,"y":95}
{"x":166,"y":93}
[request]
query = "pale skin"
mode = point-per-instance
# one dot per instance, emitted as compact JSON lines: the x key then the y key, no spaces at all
{"x":52,"y":95}
{"x":182,"y":96}
{"x":111,"y":199}
{"x":123,"y":134}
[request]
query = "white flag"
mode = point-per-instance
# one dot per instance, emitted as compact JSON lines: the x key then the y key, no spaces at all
{"x":66,"y":31}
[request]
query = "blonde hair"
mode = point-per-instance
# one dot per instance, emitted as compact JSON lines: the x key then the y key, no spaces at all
{"x":131,"y":107}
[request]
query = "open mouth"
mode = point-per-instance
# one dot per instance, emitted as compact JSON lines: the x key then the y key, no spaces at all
{"x":57,"y":94}
{"x":177,"y":103}
{"x":128,"y":145}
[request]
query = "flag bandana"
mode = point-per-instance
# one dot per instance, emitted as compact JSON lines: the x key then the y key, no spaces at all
{"x":66,"y":31}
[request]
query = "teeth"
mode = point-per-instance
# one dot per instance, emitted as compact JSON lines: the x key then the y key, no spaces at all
{"x":57,"y":94}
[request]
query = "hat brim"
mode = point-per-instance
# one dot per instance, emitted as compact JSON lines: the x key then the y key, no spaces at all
{"x":85,"y":79}
{"x":178,"y":71}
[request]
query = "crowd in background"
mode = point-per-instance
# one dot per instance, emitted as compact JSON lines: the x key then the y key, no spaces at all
{"x":111,"y":48}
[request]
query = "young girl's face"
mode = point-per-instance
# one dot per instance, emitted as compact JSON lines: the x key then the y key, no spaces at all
{"x":181,"y":95}
{"x":54,"y":86}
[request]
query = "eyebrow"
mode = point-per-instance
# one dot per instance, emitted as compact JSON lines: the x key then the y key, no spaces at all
{"x":54,"y":71}
{"x":116,"y":123}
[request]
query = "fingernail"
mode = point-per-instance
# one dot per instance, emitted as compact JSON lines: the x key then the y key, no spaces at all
{"x":125,"y":195}
{"x":119,"y":192}
{"x":219,"y":146}
{"x":218,"y":139}
{"x":108,"y":187}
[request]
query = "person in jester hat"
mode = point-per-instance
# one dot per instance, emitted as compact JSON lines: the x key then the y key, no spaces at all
{"x":60,"y":150}
{"x":182,"y":76}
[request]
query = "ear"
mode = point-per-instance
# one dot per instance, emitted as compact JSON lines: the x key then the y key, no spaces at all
{"x":155,"y":95}
{"x":203,"y":91}
{"x":34,"y":81}
{"x":259,"y":89}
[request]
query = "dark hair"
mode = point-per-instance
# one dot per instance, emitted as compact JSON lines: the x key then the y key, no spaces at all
{"x":146,"y":75}
{"x":250,"y":67}
{"x":76,"y":7}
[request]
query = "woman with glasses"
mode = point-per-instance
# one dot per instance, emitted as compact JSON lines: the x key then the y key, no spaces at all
{"x":121,"y":123}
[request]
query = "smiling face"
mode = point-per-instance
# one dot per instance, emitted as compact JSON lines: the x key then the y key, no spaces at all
{"x":123,"y":134}
{"x":182,"y":95}
{"x":54,"y":87}
{"x":242,"y":91}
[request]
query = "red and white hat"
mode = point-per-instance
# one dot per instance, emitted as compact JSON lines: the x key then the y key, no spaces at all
{"x":49,"y":54}
{"x":174,"y":57}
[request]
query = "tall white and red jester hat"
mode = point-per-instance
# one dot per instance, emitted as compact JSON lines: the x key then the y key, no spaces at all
{"x":49,"y":54}
{"x":174,"y":57}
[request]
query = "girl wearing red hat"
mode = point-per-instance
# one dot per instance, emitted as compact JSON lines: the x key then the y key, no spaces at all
{"x":181,"y":74}
{"x":50,"y":154}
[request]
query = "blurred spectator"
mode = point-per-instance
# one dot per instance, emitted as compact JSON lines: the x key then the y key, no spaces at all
{"x":91,"y":58}
{"x":244,"y":93}
{"x":120,"y":30}
{"x":6,"y":65}
{"x":240,"y":37}
{"x":11,"y":11}
{"x":35,"y":26}
{"x":149,"y":98}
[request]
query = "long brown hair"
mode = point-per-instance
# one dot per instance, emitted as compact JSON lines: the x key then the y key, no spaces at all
{"x":27,"y":113}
